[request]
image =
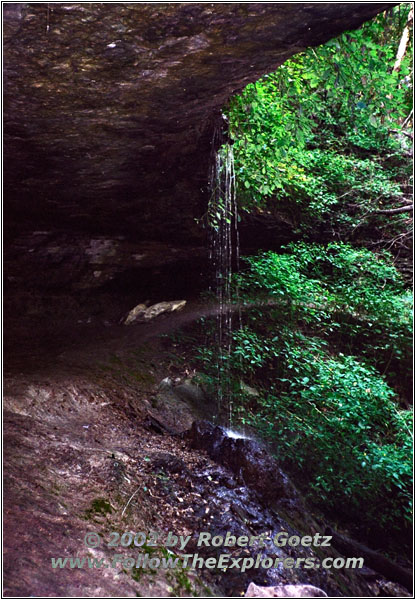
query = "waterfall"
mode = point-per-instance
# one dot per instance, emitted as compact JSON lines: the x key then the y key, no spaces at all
{"x":224,"y":256}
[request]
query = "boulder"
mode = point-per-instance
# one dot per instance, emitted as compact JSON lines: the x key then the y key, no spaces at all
{"x":284,"y":591}
{"x":190,"y":392}
{"x":141,"y":313}
{"x":163,"y":307}
{"x":135,"y":313}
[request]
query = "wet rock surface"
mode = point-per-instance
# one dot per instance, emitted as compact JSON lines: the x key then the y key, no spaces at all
{"x":249,"y":461}
{"x":279,"y":508}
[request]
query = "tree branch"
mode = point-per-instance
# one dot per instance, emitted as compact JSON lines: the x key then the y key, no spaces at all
{"x":407,"y":119}
{"x":394,"y":211}
{"x":373,"y":559}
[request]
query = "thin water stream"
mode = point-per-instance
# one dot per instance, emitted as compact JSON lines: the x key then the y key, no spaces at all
{"x":225,"y":257}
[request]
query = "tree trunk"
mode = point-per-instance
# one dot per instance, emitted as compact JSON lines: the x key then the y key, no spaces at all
{"x":372,"y":559}
{"x":401,"y":51}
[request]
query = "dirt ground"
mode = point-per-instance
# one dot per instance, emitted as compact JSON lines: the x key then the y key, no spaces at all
{"x":92,"y":444}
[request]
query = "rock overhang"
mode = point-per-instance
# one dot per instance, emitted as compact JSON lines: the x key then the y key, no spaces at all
{"x":109,"y":108}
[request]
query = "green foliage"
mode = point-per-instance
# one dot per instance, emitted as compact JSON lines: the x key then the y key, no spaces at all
{"x":99,"y":507}
{"x":327,"y":328}
{"x":323,"y":324}
{"x":317,"y":137}
{"x":334,"y":422}
{"x":338,"y":289}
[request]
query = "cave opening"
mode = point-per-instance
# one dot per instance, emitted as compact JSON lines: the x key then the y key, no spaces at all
{"x":295,"y":327}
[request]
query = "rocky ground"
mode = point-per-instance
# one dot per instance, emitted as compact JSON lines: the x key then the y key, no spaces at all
{"x":93,"y":442}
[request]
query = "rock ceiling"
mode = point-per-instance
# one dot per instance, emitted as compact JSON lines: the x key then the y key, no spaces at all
{"x":109,"y":108}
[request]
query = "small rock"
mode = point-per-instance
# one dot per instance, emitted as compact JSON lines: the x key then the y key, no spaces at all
{"x":169,"y":463}
{"x":389,"y":588}
{"x":284,"y":591}
{"x":166,"y":384}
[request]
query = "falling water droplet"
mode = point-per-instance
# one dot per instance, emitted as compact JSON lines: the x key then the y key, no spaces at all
{"x":224,"y":252}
